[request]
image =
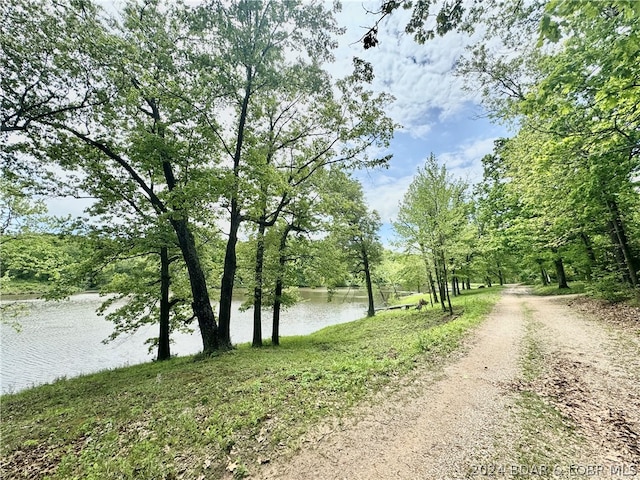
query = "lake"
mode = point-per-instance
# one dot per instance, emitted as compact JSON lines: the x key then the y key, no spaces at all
{"x":64,"y":339}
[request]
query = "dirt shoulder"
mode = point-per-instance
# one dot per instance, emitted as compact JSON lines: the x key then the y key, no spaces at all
{"x":535,"y":373}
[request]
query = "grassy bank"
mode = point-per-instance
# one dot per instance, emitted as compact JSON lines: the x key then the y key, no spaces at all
{"x":197,"y":418}
{"x":574,"y":287}
{"x":31,"y":288}
{"x":22,"y":287}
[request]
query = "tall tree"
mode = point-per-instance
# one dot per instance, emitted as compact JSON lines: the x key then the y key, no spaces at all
{"x":354,"y":228}
{"x":331,"y":131}
{"x":254,"y":37}
{"x":432,"y":214}
{"x":287,"y":120}
{"x":104,"y":100}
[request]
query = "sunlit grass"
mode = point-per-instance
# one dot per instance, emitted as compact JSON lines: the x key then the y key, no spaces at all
{"x":21,"y":287}
{"x":476,"y":289}
{"x":191,"y":417}
{"x":574,"y":287}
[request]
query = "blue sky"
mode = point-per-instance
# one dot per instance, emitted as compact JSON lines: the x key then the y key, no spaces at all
{"x":437,"y":114}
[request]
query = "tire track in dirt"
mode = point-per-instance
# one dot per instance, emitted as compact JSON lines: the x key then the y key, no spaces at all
{"x":591,"y":376}
{"x":468,"y":421}
{"x":437,"y":434}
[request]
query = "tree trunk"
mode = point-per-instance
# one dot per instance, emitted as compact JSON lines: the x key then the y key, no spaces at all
{"x":543,"y":274}
{"x":617,"y":252}
{"x":453,"y":283}
{"x":201,"y":302}
{"x":228,"y":278}
{"x":282,"y":260}
{"x":277,"y":302}
{"x":562,"y":277}
{"x":590,"y":255}
{"x":432,"y":288}
{"x":384,"y":300}
{"x":467,"y":282}
{"x":444,"y":272}
{"x":257,"y":289}
{"x":500,"y":274}
{"x":441,"y":288}
{"x":164,"y":350}
{"x":629,"y":260}
{"x":235,"y":218}
{"x":367,"y":275}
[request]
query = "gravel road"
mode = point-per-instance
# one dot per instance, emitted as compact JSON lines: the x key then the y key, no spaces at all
{"x":540,"y":391}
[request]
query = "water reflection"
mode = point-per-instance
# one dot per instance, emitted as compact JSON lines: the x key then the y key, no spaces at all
{"x":64,"y":339}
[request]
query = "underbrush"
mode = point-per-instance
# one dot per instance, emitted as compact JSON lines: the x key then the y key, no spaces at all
{"x":613,"y":291}
{"x":199,"y":418}
{"x":22,"y":287}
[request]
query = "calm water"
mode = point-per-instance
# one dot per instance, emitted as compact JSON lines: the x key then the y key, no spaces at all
{"x":64,"y":339}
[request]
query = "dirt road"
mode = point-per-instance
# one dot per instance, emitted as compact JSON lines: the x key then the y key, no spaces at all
{"x":540,"y":391}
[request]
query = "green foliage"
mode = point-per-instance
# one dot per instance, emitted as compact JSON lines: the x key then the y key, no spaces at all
{"x":324,"y":265}
{"x":497,"y":208}
{"x":354,"y":229}
{"x":18,"y":212}
{"x":569,"y":175}
{"x":137,"y":299}
{"x":123,"y":108}
{"x":610,"y":289}
{"x":434,"y":221}
{"x":41,"y":263}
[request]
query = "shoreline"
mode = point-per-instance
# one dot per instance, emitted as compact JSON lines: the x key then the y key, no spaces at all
{"x":200,"y":415}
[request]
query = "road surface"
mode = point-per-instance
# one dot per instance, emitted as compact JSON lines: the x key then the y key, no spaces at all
{"x":540,"y":391}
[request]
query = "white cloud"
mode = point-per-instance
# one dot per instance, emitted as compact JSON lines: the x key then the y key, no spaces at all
{"x":420,"y":131}
{"x":383,"y":193}
{"x":419,"y":76}
{"x":465,"y":161}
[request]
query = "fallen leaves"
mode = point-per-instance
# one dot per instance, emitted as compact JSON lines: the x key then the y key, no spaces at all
{"x":608,"y":419}
{"x":620,"y":314}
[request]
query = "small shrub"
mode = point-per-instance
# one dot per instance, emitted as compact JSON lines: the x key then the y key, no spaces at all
{"x":610,"y":289}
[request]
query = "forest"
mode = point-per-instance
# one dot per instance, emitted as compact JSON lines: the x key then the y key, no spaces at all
{"x":220,"y":153}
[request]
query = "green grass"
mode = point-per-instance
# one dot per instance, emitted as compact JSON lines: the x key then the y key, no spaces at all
{"x":22,"y":287}
{"x":532,"y":360}
{"x":466,"y":294}
{"x":192,"y":417}
{"x":574,"y":287}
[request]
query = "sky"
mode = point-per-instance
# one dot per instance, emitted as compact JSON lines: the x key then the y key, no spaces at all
{"x":436,"y":113}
